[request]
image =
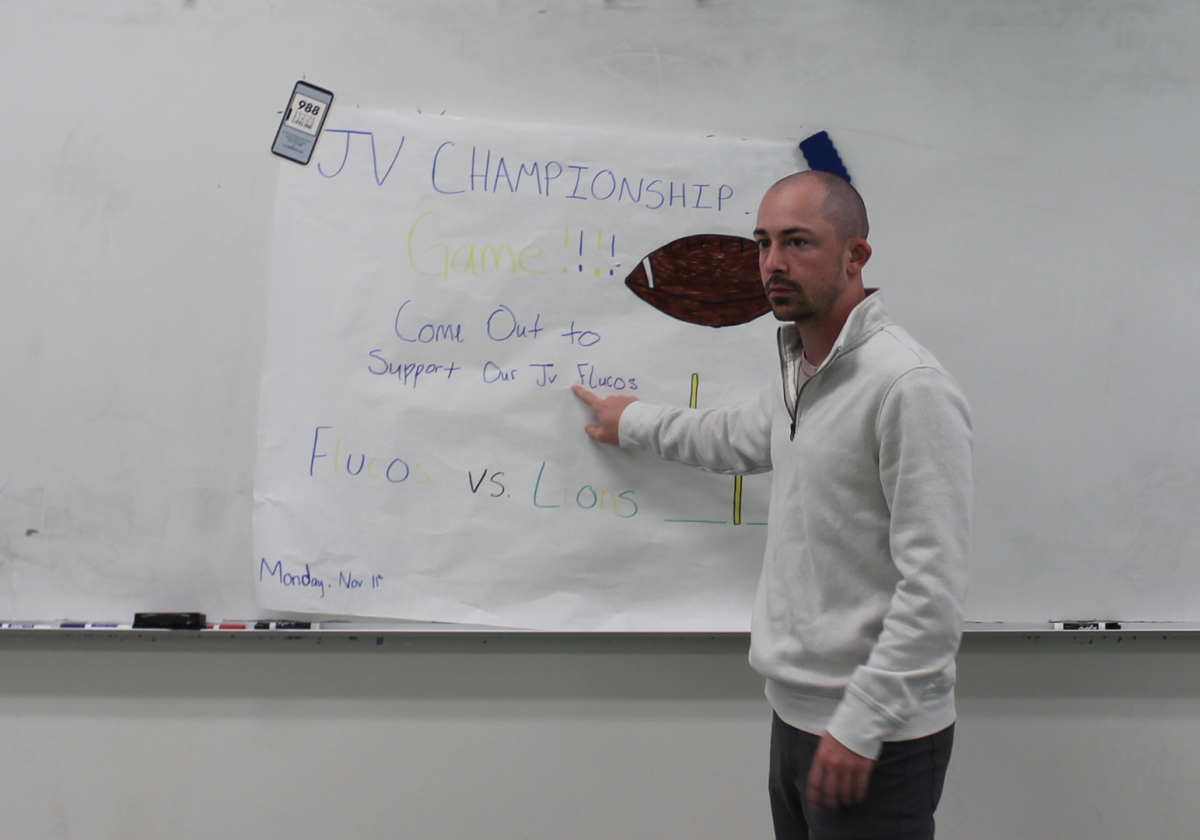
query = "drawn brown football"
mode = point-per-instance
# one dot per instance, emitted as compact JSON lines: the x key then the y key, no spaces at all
{"x":709,"y":279}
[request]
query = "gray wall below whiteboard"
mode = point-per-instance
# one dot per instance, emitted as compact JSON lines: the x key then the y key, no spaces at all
{"x":541,"y":738}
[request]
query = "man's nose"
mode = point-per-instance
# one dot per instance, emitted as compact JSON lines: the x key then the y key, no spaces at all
{"x":770,"y":261}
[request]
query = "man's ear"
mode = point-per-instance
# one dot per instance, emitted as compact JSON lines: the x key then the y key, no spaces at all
{"x":858,"y":251}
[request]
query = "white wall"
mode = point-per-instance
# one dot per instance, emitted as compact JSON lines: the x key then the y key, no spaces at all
{"x":136,"y":199}
{"x":540,"y":738}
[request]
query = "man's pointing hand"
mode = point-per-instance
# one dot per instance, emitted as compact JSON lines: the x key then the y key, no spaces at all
{"x":608,"y":414}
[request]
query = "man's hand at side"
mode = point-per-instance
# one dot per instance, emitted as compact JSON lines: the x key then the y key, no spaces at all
{"x":839,"y":776}
{"x":608,"y":414}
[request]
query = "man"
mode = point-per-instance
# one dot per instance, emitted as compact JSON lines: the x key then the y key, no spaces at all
{"x":858,"y":612}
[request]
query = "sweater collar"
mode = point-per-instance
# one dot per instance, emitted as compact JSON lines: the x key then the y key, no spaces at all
{"x":865,"y":319}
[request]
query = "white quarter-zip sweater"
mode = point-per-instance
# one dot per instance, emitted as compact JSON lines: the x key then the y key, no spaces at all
{"x":859,"y":608}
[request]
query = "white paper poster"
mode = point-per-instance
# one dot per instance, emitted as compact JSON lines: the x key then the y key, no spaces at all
{"x":437,"y":286}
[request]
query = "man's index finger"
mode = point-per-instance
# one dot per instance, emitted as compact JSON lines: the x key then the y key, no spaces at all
{"x":587,"y":396}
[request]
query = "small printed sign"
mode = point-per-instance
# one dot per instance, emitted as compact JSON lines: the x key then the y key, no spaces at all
{"x":304,"y":113}
{"x":302,"y":122}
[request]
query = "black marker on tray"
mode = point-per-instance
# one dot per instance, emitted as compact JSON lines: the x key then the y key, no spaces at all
{"x":285,"y":625}
{"x":1086,"y":624}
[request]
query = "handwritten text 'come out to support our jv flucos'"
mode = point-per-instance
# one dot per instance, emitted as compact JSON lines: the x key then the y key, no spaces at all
{"x":424,"y":352}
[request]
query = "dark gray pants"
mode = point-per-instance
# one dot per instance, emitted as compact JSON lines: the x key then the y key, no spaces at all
{"x":906,"y":785}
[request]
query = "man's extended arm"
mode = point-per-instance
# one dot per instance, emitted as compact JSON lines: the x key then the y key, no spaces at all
{"x":734,"y":439}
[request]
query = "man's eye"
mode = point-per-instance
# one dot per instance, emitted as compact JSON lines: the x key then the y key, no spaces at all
{"x":797,"y":241}
{"x":762,"y":244}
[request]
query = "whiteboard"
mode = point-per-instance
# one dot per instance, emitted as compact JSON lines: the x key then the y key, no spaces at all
{"x":1029,"y":170}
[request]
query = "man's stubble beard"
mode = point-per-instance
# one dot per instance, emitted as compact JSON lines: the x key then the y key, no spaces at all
{"x":816,"y":308}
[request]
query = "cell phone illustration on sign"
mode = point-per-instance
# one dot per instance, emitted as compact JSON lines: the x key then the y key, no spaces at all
{"x":302,"y":122}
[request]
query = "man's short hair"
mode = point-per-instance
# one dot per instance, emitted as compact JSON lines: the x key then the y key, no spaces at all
{"x":843,"y":206}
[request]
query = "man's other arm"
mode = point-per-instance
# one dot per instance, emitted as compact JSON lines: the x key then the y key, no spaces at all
{"x":924,"y":429}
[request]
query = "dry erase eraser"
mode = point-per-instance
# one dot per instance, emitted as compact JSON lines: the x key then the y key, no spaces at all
{"x":168,"y":621}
